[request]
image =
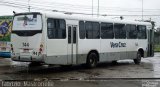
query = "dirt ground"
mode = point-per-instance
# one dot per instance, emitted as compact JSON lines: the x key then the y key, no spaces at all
{"x":149,"y":68}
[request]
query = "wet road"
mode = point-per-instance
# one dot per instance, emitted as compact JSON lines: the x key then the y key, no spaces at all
{"x":149,"y":68}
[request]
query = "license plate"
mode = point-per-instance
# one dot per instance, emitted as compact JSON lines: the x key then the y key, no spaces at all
{"x":25,"y":50}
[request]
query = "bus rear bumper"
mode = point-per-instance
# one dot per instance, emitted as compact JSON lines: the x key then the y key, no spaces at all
{"x":28,"y":58}
{"x":5,"y":54}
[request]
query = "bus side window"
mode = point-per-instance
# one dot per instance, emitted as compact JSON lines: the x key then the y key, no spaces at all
{"x":88,"y":28}
{"x":56,"y":28}
{"x":50,"y":27}
{"x":107,"y":31}
{"x":131,"y":31}
{"x":141,"y":32}
{"x":69,"y":34}
{"x":120,"y":31}
{"x":92,"y":30}
{"x":82,"y":31}
{"x":96,"y":30}
{"x":74,"y":34}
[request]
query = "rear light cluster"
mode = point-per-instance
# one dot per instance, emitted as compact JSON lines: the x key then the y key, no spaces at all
{"x":12,"y":48}
{"x":40,"y":51}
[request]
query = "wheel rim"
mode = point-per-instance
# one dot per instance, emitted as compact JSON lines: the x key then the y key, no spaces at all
{"x":139,"y":57}
{"x":92,"y":61}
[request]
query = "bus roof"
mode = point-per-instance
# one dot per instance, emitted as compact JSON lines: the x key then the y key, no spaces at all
{"x":86,"y":18}
{"x":98,"y":19}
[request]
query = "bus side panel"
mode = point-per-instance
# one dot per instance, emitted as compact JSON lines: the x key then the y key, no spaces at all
{"x":132,"y":46}
{"x":85,"y":46}
{"x":112,"y":49}
{"x":56,"y":51}
{"x":142,"y":44}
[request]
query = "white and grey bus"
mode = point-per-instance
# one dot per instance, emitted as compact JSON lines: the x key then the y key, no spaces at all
{"x":62,"y":39}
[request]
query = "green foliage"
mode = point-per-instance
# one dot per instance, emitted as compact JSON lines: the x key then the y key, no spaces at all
{"x":157,"y":48}
{"x":6,"y":38}
{"x":6,"y":17}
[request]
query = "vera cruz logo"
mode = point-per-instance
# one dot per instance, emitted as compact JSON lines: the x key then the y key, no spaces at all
{"x":117,"y":45}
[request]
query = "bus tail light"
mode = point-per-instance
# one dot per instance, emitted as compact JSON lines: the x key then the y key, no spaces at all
{"x":12,"y":48}
{"x":41,"y":49}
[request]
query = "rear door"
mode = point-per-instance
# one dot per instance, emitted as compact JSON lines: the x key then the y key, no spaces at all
{"x":72,"y":44}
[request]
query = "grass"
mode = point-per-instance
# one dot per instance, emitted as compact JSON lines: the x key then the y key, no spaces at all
{"x":5,"y":38}
{"x":157,"y":48}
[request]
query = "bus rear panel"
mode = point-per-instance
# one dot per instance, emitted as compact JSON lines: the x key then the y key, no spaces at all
{"x":27,"y":42}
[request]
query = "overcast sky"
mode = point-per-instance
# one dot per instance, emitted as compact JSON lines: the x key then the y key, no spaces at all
{"x":109,"y":7}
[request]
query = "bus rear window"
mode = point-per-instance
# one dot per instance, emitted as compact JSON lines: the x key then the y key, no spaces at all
{"x":27,"y":22}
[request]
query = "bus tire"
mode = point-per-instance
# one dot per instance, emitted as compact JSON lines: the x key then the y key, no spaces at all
{"x":114,"y":62}
{"x":138,"y":59}
{"x":66,"y":66}
{"x":92,"y":60}
{"x":35,"y":64}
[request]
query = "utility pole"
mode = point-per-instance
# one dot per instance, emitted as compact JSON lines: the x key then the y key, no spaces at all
{"x":98,"y":9}
{"x":92,"y":8}
{"x":142,"y":10}
{"x":29,"y":7}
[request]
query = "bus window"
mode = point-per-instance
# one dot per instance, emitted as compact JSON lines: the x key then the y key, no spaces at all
{"x":120,"y":31}
{"x":27,"y":24}
{"x":69,"y":34}
{"x":56,"y":28}
{"x":107,"y":31}
{"x":82,"y":32}
{"x":88,"y":27}
{"x":92,"y":30}
{"x":96,"y":30}
{"x":131,"y":31}
{"x":141,"y":32}
{"x":74,"y":34}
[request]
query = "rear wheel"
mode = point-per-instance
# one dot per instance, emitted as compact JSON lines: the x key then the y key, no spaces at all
{"x":35,"y":64}
{"x":114,"y":62}
{"x":66,"y":66}
{"x":138,"y":59}
{"x":92,"y":60}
